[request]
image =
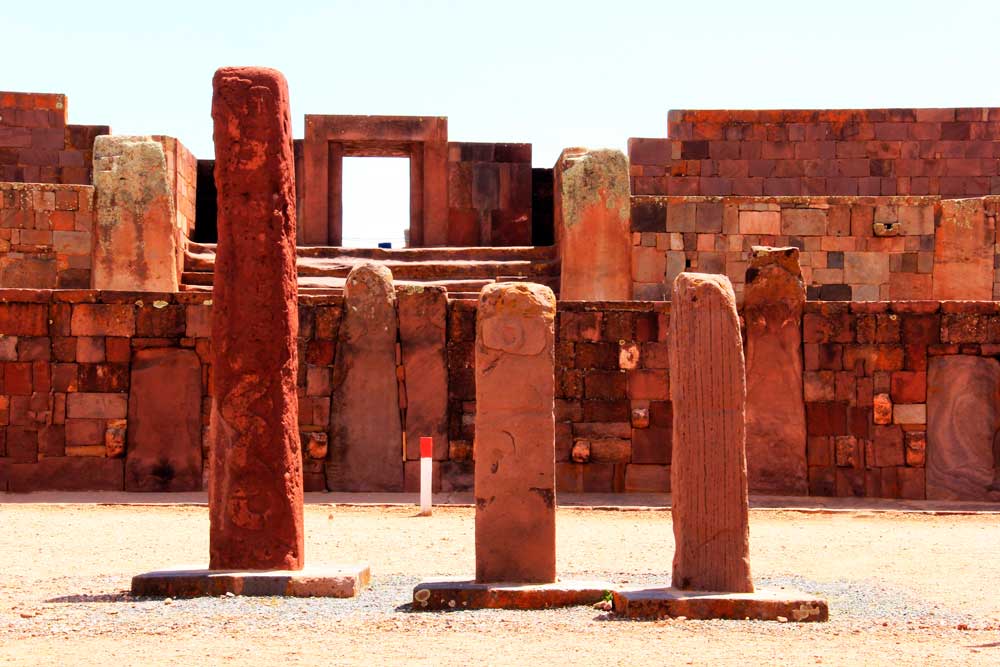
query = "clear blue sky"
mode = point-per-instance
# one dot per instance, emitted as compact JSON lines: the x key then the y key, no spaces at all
{"x":554,"y":74}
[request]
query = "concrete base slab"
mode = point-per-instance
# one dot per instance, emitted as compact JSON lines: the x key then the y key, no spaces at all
{"x":761,"y":605}
{"x":461,"y":593}
{"x":321,"y":582}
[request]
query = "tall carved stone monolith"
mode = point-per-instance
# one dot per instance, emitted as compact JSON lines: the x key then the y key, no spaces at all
{"x":515,"y":434}
{"x":256,"y":467}
{"x":776,"y":411}
{"x":366,"y":436}
{"x":708,"y":470}
{"x":593,"y":225}
{"x":135,"y":239}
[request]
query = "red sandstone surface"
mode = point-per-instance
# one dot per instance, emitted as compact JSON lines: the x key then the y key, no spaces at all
{"x":708,"y":475}
{"x":256,"y":481}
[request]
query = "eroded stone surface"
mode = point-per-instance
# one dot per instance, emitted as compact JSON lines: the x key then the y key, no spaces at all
{"x":708,"y":468}
{"x":762,"y":605}
{"x":423,"y":313}
{"x":593,"y":218}
{"x":164,"y":421}
{"x":963,"y":251}
{"x":776,"y":413}
{"x":460,"y":593}
{"x":515,"y":434}
{"x":963,"y":421}
{"x":366,"y":436}
{"x":135,"y":239}
{"x":255,"y":497}
{"x":341,"y":582}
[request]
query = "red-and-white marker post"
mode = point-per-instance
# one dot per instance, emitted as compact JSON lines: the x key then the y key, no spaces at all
{"x":426,"y":474}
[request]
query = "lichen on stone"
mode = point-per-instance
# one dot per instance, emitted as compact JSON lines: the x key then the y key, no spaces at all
{"x":593,"y":176}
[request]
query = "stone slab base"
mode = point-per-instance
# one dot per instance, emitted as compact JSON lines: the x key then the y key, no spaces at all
{"x":459,"y":593}
{"x":321,"y":582}
{"x":761,"y":605}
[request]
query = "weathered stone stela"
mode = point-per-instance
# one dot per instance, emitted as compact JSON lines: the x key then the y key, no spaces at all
{"x":776,"y":411}
{"x":256,"y":467}
{"x":515,"y":434}
{"x":709,"y":471}
{"x":366,"y":435}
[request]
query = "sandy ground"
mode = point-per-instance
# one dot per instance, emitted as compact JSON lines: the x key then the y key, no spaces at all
{"x":904,"y":589}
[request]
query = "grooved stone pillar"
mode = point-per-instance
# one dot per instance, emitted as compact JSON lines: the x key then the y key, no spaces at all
{"x":776,"y":413}
{"x":255,"y":498}
{"x":135,"y":239}
{"x":366,"y":436}
{"x":708,"y":469}
{"x":593,"y":225}
{"x":515,"y":434}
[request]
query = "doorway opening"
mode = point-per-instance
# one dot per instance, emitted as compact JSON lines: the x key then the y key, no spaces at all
{"x":376,"y":202}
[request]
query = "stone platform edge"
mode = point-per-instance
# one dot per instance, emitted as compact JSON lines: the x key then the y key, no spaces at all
{"x":465,"y":593}
{"x":762,"y":605}
{"x":343,"y":581}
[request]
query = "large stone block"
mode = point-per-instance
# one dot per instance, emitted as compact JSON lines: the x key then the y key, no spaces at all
{"x":963,"y":251}
{"x":708,"y":467}
{"x":963,"y":424}
{"x":515,"y":434}
{"x":593,"y":225}
{"x":164,"y":422}
{"x":135,"y":240}
{"x":255,"y":496}
{"x":776,"y":415}
{"x":66,"y":473}
{"x":423,"y":316}
{"x":366,"y":436}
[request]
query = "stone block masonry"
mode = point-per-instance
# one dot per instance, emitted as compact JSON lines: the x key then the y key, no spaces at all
{"x":46,"y":235}
{"x":850,"y":248}
{"x":852,"y":152}
{"x":613,"y":413}
{"x":38,"y":146}
{"x":489,"y":194}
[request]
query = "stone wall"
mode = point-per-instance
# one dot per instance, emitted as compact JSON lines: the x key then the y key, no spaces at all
{"x":70,"y":361}
{"x":182,"y":174}
{"x":46,"y":234}
{"x":38,"y":146}
{"x":851,"y":248}
{"x":489,"y":194}
{"x":866,"y":152}
{"x":47,"y":230}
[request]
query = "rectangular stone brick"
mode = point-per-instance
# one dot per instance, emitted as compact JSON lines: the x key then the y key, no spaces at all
{"x":92,"y":319}
{"x":642,"y":478}
{"x":97,"y":406}
{"x":24,"y":319}
{"x":803,"y":221}
{"x":760,"y":222}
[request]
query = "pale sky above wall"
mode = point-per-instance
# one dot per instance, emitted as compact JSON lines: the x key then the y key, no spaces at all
{"x":554,"y":74}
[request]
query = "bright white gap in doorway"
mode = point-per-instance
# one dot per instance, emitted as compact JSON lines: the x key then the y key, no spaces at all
{"x":376,"y":201}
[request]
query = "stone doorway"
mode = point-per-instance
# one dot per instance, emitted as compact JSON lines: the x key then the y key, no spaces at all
{"x":330,"y":139}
